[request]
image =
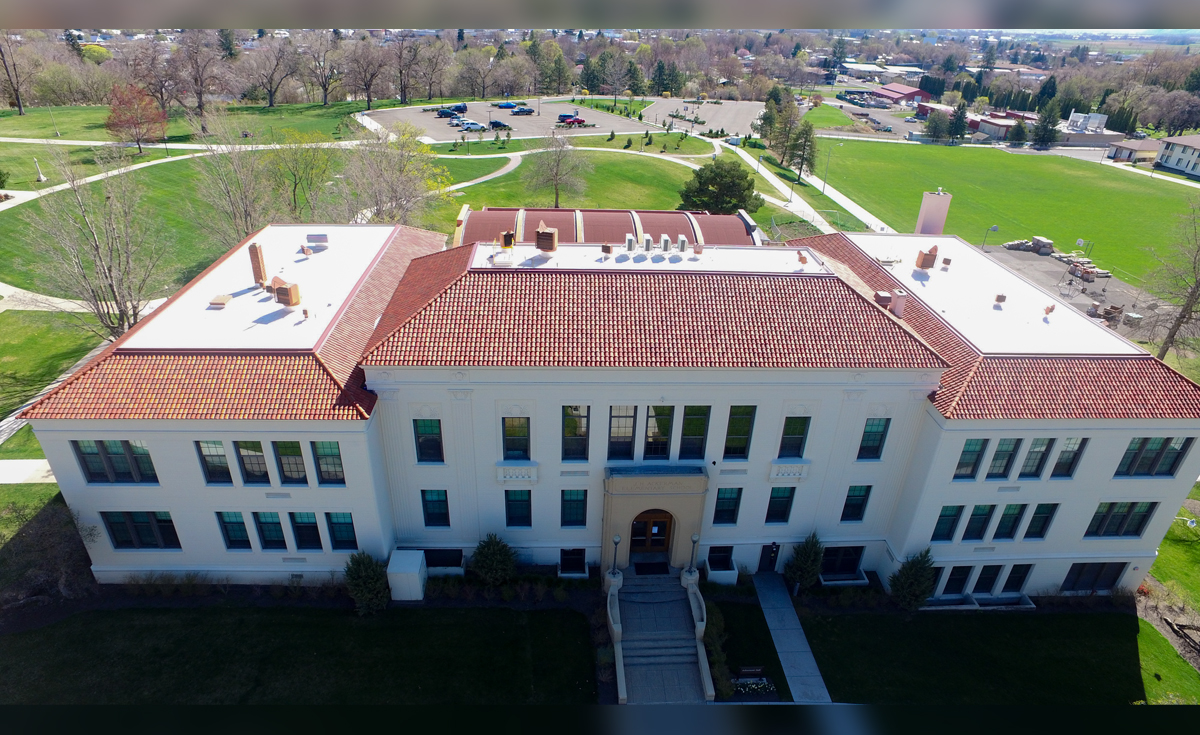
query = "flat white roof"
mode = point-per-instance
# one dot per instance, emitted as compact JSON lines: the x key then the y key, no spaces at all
{"x":715,"y":258}
{"x":252,"y":320}
{"x":964,"y":294}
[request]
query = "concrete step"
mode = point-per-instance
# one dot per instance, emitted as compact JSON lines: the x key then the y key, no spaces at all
{"x":658,"y":641}
{"x":653,"y":597}
{"x":689,"y":636}
{"x":661,"y":659}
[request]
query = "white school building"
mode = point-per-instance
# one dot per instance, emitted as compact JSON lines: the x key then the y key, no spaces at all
{"x":325,"y":389}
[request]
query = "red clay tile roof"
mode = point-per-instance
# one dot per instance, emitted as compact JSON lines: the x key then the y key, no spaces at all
{"x":979,"y":386}
{"x":325,"y":383}
{"x":619,"y":319}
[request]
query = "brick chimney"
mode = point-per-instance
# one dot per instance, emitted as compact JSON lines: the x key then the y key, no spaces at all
{"x":257,"y":264}
{"x":547,"y":238}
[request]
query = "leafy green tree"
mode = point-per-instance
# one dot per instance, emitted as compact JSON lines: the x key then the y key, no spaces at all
{"x":1018,"y":134}
{"x":96,"y":54}
{"x":229,"y":46}
{"x":1045,"y":131}
{"x":494,"y":561}
{"x":913,"y":583}
{"x":720,"y":187}
{"x":367,"y":583}
{"x":1192,"y":84}
{"x":958,"y":121}
{"x":803,"y":570}
{"x":937,"y":125}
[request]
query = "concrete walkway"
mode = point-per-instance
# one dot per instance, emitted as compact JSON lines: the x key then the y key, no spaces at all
{"x":662,"y":663}
{"x":799,"y":665}
{"x":19,"y":471}
{"x":797,"y":205}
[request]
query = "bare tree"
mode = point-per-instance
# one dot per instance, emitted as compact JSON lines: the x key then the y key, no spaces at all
{"x":389,"y":176}
{"x":101,"y":244}
{"x":365,"y":64}
{"x":19,"y":68}
{"x":406,"y":51}
{"x":149,"y":65}
{"x":558,"y":166}
{"x":1177,"y":279}
{"x":432,"y":64}
{"x":475,"y":71}
{"x":272,"y":64}
{"x":299,"y":167}
{"x":321,"y":51}
{"x":201,"y":66}
{"x":234,"y":180}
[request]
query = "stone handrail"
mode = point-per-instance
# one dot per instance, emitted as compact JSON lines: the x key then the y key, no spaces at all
{"x":613,"y":608}
{"x":700,"y":618}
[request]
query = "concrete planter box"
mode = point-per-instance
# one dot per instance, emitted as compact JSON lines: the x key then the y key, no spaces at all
{"x":721,"y":576}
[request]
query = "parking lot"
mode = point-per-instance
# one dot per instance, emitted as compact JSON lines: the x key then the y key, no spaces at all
{"x":734,"y":117}
{"x":523,"y":126}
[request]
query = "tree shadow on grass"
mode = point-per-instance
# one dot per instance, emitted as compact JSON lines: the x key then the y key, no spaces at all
{"x":46,"y":556}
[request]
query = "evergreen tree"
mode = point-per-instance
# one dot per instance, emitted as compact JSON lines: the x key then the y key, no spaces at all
{"x":721,"y":187}
{"x":501,"y":53}
{"x":588,"y":77}
{"x":914,"y":581}
{"x":579,"y":36}
{"x":1192,"y":84}
{"x":801,"y":153}
{"x":462,"y":36}
{"x":949,"y":65}
{"x":1047,"y":91}
{"x":777,"y":94}
{"x":229,"y":46}
{"x":675,"y":79}
{"x":1018,"y":134}
{"x":72,"y":42}
{"x":1045,"y":131}
{"x":262,"y":32}
{"x":989,"y":58}
{"x":838,"y":52}
{"x":658,"y":81}
{"x":635,"y":81}
{"x":797,"y":49}
{"x":958,"y":121}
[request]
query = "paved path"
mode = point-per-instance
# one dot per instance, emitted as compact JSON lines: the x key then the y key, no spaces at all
{"x":799,"y":665}
{"x":18,"y":471}
{"x":18,"y":299}
{"x":659,"y":642}
{"x":796,"y":205}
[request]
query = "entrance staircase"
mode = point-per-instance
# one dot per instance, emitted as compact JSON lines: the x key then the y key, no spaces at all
{"x":660,"y":649}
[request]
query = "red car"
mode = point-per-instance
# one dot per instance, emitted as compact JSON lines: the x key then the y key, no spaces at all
{"x":574,"y":121}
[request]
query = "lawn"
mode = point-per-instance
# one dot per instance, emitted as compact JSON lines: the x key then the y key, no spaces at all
{"x":466,"y":169}
{"x":826,"y":116}
{"x":986,"y":658}
{"x":1056,"y":197}
{"x":1166,"y":677}
{"x":833,"y":213}
{"x":35,"y":348}
{"x":22,"y":445}
{"x":302,"y":656}
{"x":748,"y":643}
{"x":41,"y":512}
{"x":605,"y":104}
{"x":1179,"y":559}
{"x":17,"y":160}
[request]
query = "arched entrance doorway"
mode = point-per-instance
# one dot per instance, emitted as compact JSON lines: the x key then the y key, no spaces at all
{"x":650,"y":536}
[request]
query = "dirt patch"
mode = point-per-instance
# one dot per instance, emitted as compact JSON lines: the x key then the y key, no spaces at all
{"x":1156,"y":604}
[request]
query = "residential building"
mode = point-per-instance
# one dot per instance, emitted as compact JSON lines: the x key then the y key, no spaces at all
{"x":1134,"y":151}
{"x":1180,"y":153}
{"x":322,"y":389}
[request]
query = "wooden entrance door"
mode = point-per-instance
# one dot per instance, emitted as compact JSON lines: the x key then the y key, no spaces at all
{"x":650,"y":532}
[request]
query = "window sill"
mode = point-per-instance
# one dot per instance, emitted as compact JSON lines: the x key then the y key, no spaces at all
{"x":145,"y":551}
{"x":573,"y":528}
{"x":431,"y":463}
{"x":869,"y":459}
{"x":776,"y":523}
{"x":311,"y":551}
{"x":736,"y":460}
{"x":437,"y":528}
{"x":332,"y":484}
{"x":963,"y":479}
{"x":576,"y":460}
{"x":124,"y":484}
{"x":850,"y":522}
{"x":240,"y":551}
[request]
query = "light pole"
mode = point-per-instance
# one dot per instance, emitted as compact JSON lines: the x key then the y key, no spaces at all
{"x":616,"y":543}
{"x":51,"y":111}
{"x":792,"y":190}
{"x":758,"y":168}
{"x":825,"y":180}
{"x":993,"y":228}
{"x":695,"y":540}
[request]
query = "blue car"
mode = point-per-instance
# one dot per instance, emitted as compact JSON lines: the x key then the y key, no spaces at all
{"x":506,"y":105}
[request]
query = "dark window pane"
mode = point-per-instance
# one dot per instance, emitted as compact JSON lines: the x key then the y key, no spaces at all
{"x":166,"y":530}
{"x":658,"y":432}
{"x":779,"y":507}
{"x":1016,"y":578}
{"x":957,"y":581}
{"x":429,"y":440}
{"x":795,"y":433}
{"x":270,"y":531}
{"x":621,"y":422}
{"x":874,"y":435}
{"x":518,"y":509}
{"x":856,"y":503}
{"x":436,"y":508}
{"x":328,"y":458}
{"x":737,"y":436}
{"x":1002,"y":459}
{"x":1096,"y":577}
{"x":574,"y":508}
{"x":214,"y":462}
{"x":720,"y":558}
{"x":304,"y":528}
{"x":987,"y":579}
{"x":1040,"y":522}
{"x":253,"y":462}
{"x":341,"y":531}
{"x":118,"y":530}
{"x":728,"y":500}
{"x":143,"y":530}
{"x":1068,"y":458}
{"x":291,"y":463}
{"x":1035,"y":460}
{"x":968,"y":461}
{"x":841,"y":562}
{"x":575,"y":432}
{"x":142,"y":462}
{"x":121,"y":467}
{"x":572,"y":561}
{"x":233,"y":528}
{"x":977,"y":525}
{"x":1149,"y":456}
{"x":1010,"y":519}
{"x":695,"y":432}
{"x":89,"y":459}
{"x":1172,"y":455}
{"x":947,"y":523}
{"x":516,"y":437}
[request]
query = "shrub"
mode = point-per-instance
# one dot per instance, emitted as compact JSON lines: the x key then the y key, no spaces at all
{"x":494,"y":561}
{"x":649,"y":138}
{"x":639,"y":117}
{"x":561,"y":594}
{"x":913,"y":582}
{"x":612,"y":134}
{"x":539,"y":590}
{"x":4,"y":179}
{"x":714,"y":641}
{"x":629,"y":142}
{"x":804,"y":568}
{"x":366,"y":580}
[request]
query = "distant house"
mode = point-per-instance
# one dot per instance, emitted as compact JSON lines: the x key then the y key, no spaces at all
{"x":1134,"y":151}
{"x":1179,"y":153}
{"x":860,"y":71}
{"x":897,"y":93}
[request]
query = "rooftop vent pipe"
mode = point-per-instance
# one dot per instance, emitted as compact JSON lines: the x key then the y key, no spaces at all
{"x":899,"y":299}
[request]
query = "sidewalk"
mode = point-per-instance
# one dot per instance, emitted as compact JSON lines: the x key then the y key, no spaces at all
{"x":799,"y":665}
{"x":797,"y":205}
{"x":21,"y":471}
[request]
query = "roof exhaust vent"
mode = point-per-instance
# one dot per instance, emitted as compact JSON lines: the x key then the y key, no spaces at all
{"x":664,"y":242}
{"x":630,"y":242}
{"x":899,"y":300}
{"x":802,"y":257}
{"x":607,"y":250}
{"x":647,"y":242}
{"x":547,"y":238}
{"x":683,"y":243}
{"x":507,"y":239}
{"x":257,"y":264}
{"x":285,"y":293}
{"x":883,"y":298}
{"x":219,"y":302}
{"x":698,"y":248}
{"x":945,"y":264}
{"x":316,"y":243}
{"x":926,"y":260}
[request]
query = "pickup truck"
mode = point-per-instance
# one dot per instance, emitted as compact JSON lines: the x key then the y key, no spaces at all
{"x":506,"y":105}
{"x":523,"y":111}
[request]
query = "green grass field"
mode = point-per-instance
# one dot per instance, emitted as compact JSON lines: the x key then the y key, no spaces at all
{"x":30,"y":496}
{"x":35,"y":348}
{"x":827,"y":117}
{"x":1166,"y":677}
{"x":228,"y":655}
{"x":1059,"y":198}
{"x":22,"y":445}
{"x":18,"y":160}
{"x":689,"y":146}
{"x":1179,"y":559}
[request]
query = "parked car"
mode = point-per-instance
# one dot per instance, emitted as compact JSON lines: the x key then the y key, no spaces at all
{"x":460,"y":107}
{"x":910,"y":119}
{"x":565,"y":117}
{"x":887,"y":128}
{"x":1139,"y":135}
{"x":571,"y":120}
{"x":470,"y":126}
{"x":456,"y":121}
{"x":446,"y":113}
{"x":500,"y":125}
{"x":523,"y":111}
{"x":506,"y":105}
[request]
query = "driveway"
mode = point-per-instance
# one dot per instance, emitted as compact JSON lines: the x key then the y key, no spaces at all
{"x":735,"y":117}
{"x":524,"y":126}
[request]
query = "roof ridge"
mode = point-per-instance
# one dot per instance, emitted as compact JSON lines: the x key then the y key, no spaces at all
{"x":962,"y":388}
{"x":373,"y":342}
{"x":341,"y":386}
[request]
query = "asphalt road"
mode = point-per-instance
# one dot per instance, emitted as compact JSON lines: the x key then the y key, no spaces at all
{"x":734,"y":117}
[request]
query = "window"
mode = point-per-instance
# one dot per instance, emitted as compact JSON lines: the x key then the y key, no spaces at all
{"x":233,"y":528}
{"x":341,"y":531}
{"x":1120,"y":519}
{"x":987,"y":579}
{"x":518,"y":509}
{"x":572,"y":561}
{"x":795,"y":433}
{"x":328,"y":458}
{"x":516,"y":437}
{"x":841,"y":562}
{"x":658,"y":432}
{"x":957,"y":581}
{"x":115,"y":461}
{"x":779,"y":507}
{"x":1040,"y":522}
{"x":270,"y":531}
{"x":947,"y":523}
{"x":1093,"y":577}
{"x":694,"y":436}
{"x":291,"y":463}
{"x":1035,"y":459}
{"x":856,"y":503}
{"x":428,"y":433}
{"x":575,"y":432}
{"x":1068,"y":458}
{"x":1153,"y":457}
{"x":720,"y":558}
{"x":141,"y":530}
{"x":574,"y":508}
{"x":1016,"y":578}
{"x":1002,"y":459}
{"x":253,"y":463}
{"x":436,"y":508}
{"x":737,"y":435}
{"x":981,"y":516}
{"x":1009,"y":520}
{"x":304,"y":528}
{"x":214,"y":463}
{"x":621,"y":420}
{"x":728,"y":500}
{"x":874,"y":435}
{"x":968,"y":461}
